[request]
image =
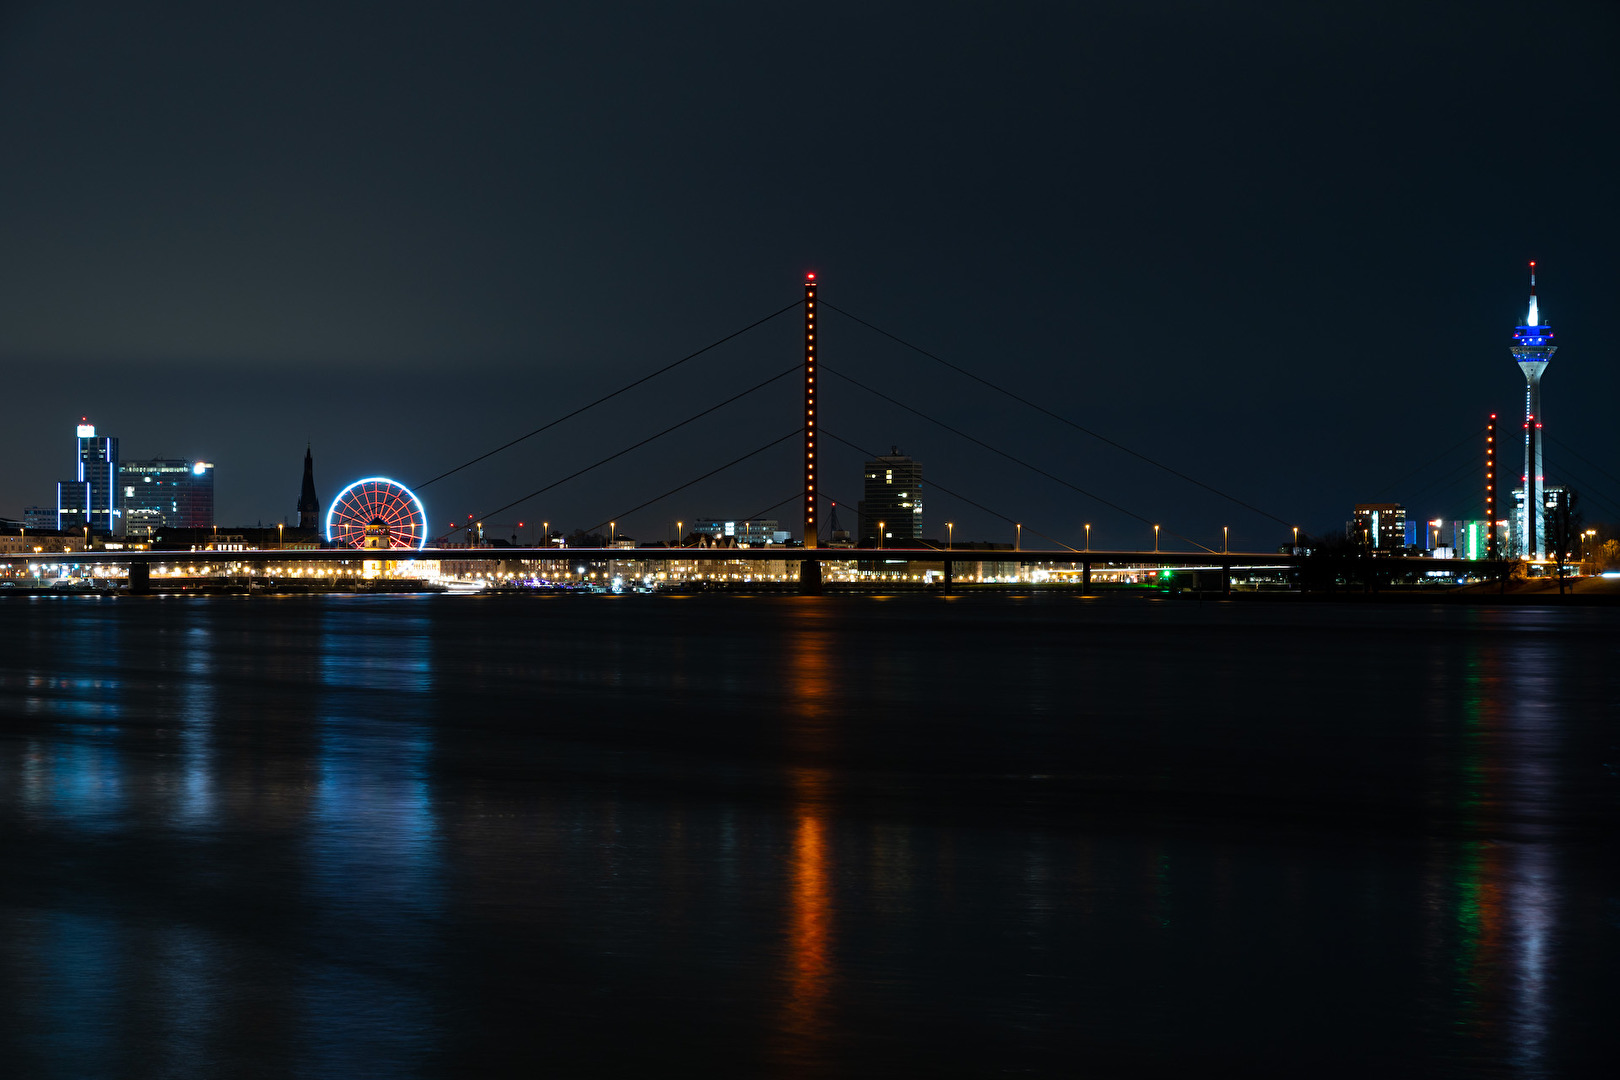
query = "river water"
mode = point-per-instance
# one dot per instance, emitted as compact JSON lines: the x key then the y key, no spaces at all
{"x":780,"y":836}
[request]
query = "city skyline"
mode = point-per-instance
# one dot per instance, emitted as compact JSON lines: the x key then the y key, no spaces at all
{"x":1531,"y":348}
{"x":816,"y":540}
{"x":273,"y":305}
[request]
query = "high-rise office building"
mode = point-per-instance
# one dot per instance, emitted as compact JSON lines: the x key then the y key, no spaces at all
{"x":1379,"y":526}
{"x":91,"y":498}
{"x":166,"y":492}
{"x":309,"y":505}
{"x":1533,"y":347}
{"x":893,"y":491}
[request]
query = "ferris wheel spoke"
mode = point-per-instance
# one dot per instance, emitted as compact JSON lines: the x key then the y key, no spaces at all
{"x":394,"y":507}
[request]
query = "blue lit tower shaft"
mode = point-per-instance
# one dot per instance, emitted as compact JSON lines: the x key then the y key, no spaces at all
{"x":1533,"y":347}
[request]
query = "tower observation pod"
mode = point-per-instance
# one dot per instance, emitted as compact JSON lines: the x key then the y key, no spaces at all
{"x":1533,"y":347}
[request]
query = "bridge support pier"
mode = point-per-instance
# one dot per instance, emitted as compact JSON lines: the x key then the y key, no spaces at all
{"x":809,"y":577}
{"x":1085,"y":577}
{"x":140,"y":579}
{"x":1226,"y":580}
{"x":950,"y":577}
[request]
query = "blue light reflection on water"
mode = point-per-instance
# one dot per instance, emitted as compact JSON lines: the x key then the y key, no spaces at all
{"x":195,"y":804}
{"x":373,"y":869}
{"x":420,"y":836}
{"x":79,"y":775}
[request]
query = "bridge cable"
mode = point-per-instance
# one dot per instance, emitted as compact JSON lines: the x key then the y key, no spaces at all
{"x":757,"y":514}
{"x":1470,"y":437}
{"x":962,"y":498}
{"x":1551,"y":438}
{"x":1587,"y":491}
{"x":705,"y":476}
{"x":955,"y":495}
{"x":995,"y":450}
{"x":636,"y":446}
{"x":1059,"y":417}
{"x":1449,"y":479}
{"x":1600,"y":501}
{"x":608,"y":397}
{"x":855,"y":510}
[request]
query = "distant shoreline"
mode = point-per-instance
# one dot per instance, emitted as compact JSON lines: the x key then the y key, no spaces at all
{"x":1481,"y":595}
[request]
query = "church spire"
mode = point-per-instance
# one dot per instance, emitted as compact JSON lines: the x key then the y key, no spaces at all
{"x":309,"y":504}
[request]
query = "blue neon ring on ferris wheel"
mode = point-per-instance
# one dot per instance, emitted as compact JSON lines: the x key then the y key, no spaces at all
{"x":401,"y":494}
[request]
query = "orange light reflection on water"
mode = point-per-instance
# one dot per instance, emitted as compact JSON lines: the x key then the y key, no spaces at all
{"x":809,"y":930}
{"x":809,"y":967}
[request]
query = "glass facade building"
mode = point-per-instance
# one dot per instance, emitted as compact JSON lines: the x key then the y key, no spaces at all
{"x":166,"y":492}
{"x":91,"y":498}
{"x":72,"y":505}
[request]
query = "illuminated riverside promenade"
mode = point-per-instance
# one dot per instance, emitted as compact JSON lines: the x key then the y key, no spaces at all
{"x":705,"y":564}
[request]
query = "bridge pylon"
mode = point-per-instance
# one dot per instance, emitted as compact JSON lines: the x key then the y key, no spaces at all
{"x":810,"y":525}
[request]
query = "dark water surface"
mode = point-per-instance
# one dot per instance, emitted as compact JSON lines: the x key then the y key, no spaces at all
{"x":461,"y":836}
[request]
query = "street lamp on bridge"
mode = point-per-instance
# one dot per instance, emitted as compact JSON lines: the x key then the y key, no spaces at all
{"x":1155,"y":539}
{"x":950,"y":535}
{"x":1224,"y":545}
{"x":1088,"y":536}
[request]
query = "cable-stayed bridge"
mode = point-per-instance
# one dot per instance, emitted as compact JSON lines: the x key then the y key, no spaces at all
{"x":809,"y":493}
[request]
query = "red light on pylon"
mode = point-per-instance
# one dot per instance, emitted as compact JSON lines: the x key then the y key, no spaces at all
{"x":812,"y":277}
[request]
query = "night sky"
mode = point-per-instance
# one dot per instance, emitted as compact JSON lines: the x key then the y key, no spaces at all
{"x":1278,"y":247}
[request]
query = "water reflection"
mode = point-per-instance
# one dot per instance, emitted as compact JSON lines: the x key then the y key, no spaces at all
{"x":376,"y":838}
{"x":1499,"y":887}
{"x":195,"y":805}
{"x":79,"y":782}
{"x":374,"y":865}
{"x":1537,"y":669}
{"x":811,"y":719}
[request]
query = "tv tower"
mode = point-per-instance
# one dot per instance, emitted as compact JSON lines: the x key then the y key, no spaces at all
{"x":1532,"y":347}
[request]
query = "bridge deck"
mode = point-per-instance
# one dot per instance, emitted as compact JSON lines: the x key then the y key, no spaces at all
{"x":1233,"y":560}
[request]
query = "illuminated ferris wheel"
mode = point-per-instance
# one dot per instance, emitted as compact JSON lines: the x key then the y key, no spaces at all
{"x":377,"y":513}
